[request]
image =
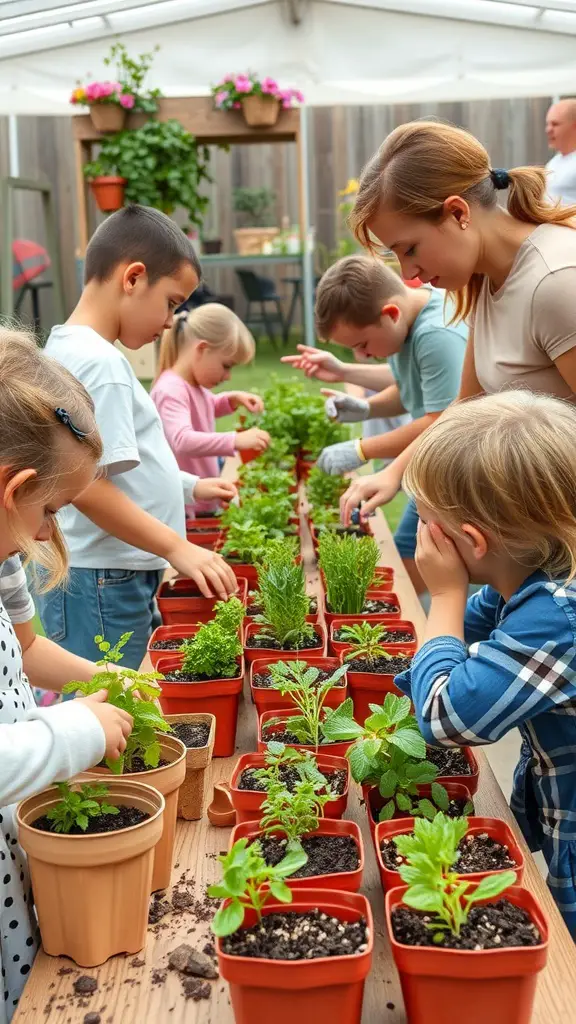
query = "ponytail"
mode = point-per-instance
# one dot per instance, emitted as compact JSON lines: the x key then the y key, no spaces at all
{"x":528,"y":200}
{"x":170,"y":344}
{"x":213,"y":323}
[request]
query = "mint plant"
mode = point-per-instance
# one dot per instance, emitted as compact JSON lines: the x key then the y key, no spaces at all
{"x":367,"y":642}
{"x":430,"y":873}
{"x":298,"y":680}
{"x":348,"y":564}
{"x":212,"y":652}
{"x":286,"y":604}
{"x":247,"y":881}
{"x":78,"y":806}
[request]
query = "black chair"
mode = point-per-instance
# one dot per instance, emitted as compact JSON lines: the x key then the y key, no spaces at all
{"x":261,"y":291}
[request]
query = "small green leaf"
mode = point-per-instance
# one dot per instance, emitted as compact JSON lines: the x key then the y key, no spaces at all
{"x":403,"y":802}
{"x":410,"y":741}
{"x":492,"y":886}
{"x":235,"y":881}
{"x":82,"y":821}
{"x":388,"y":783}
{"x":360,"y":766}
{"x":440,"y":796}
{"x":427,"y":809}
{"x":228,"y":919}
{"x":421,"y":897}
{"x":280,"y":890}
{"x":293,"y":860}
{"x":387,"y":811}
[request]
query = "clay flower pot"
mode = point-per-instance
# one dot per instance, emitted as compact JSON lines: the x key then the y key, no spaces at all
{"x":92,"y":892}
{"x":177,"y":609}
{"x":494,"y":827}
{"x":248,"y":802}
{"x":219,"y":697}
{"x":370,"y":687}
{"x":344,"y":881}
{"x":335,"y":749}
{"x":107,"y":117}
{"x":167,"y":781}
{"x":191,"y":792}
{"x":260,"y":111}
{"x":306,"y":991}
{"x":267,"y":698}
{"x":337,"y":647}
{"x":374,"y":802}
{"x":376,"y":595}
{"x":273,"y":654}
{"x":448,"y":986}
{"x":108,"y":191}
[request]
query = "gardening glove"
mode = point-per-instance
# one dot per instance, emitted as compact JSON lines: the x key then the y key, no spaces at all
{"x":346,"y":409}
{"x":340,"y":458}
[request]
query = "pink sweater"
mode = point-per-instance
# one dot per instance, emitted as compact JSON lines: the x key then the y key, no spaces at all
{"x":189,"y":416}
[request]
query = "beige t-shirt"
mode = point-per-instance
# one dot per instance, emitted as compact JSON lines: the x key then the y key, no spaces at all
{"x":531,"y":320}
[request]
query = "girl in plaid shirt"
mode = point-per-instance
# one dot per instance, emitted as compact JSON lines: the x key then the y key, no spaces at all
{"x":495,"y":485}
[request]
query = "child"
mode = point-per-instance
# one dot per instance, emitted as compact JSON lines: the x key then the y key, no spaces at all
{"x":363,"y":305}
{"x":125,"y":529}
{"x":197,"y":353}
{"x":495,"y":486}
{"x":49,"y":450}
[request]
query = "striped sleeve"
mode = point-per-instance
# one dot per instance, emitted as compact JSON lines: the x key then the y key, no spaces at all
{"x":14,"y":592}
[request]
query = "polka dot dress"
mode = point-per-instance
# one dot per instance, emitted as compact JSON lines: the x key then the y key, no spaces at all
{"x":19,"y":937}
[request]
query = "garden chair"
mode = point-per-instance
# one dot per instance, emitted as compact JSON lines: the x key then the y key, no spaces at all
{"x":261,"y":292}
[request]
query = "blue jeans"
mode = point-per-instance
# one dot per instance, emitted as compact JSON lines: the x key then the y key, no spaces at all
{"x":405,"y":536}
{"x":101,"y":601}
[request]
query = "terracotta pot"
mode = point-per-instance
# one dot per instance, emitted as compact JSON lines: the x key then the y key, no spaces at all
{"x":344,"y":881}
{"x":447,"y":986}
{"x":306,"y":991}
{"x":137,"y":119}
{"x":387,"y":618}
{"x":247,"y":454}
{"x":219,"y":697}
{"x":107,"y":117}
{"x":374,"y":802}
{"x":260,"y":111}
{"x":167,"y":781}
{"x":248,"y":802}
{"x":494,"y":827}
{"x":108,"y":191}
{"x":191,"y":792}
{"x":257,"y":653}
{"x":92,"y":892}
{"x":265,"y":699}
{"x":370,"y":687}
{"x":338,"y":646}
{"x":335,"y":749}
{"x":175,"y":609}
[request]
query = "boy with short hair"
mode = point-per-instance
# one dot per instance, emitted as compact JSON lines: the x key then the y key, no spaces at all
{"x":363,"y":305}
{"x":129,"y":525}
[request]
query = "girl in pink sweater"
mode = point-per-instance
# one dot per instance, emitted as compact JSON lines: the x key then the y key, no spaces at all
{"x":197,"y":353}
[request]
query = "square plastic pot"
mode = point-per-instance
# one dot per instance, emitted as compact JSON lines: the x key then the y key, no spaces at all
{"x":496,"y":828}
{"x":369,"y":687}
{"x":376,"y":595}
{"x":374,"y":802}
{"x":343,"y":881}
{"x":337,"y":647}
{"x":176,"y":609}
{"x":267,"y":699}
{"x":219,"y":697}
{"x":271,"y":654}
{"x":306,"y":991}
{"x":92,"y":892}
{"x":203,"y":537}
{"x":191,"y":792}
{"x":184,"y":631}
{"x":248,"y":802}
{"x":448,"y":986}
{"x":335,"y":749}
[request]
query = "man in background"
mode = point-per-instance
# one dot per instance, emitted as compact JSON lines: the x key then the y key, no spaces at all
{"x":561,"y":134}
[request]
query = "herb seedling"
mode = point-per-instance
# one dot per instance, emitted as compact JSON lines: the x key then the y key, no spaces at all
{"x":324,"y":518}
{"x":348,"y":564}
{"x":324,"y":491}
{"x":286,"y":604}
{"x":248,"y":882}
{"x":367,"y":642}
{"x":390,"y":726}
{"x":430,"y":873}
{"x":278,"y":756}
{"x":212,"y":652}
{"x":245,"y":541}
{"x":229,"y":614}
{"x":298,"y":680}
{"x":134,"y":692}
{"x":295,"y":813}
{"x":78,"y":806}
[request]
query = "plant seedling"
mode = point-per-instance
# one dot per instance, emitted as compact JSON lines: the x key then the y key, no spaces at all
{"x":229,"y":614}
{"x":212,"y":652}
{"x":324,"y":491}
{"x":247,"y":881}
{"x":430,"y":873}
{"x":77,"y":806}
{"x":279,"y":756}
{"x":349,"y":565}
{"x":367,"y":642}
{"x":324,"y":518}
{"x":298,"y":680}
{"x":286,"y":604}
{"x":245,"y":540}
{"x":295,"y":813}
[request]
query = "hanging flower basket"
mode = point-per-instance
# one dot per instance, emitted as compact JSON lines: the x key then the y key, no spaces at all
{"x":260,"y":111}
{"x":107,"y":117}
{"x":260,"y":100}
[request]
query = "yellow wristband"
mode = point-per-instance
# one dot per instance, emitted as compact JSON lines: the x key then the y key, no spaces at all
{"x":360,"y":451}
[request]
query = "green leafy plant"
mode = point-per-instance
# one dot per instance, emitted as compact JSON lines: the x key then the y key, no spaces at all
{"x":324,"y":490}
{"x":282,"y":590}
{"x":278,"y":757}
{"x":325,"y":517}
{"x":245,"y":541}
{"x":349,"y":565}
{"x":247,"y":881}
{"x":78,"y":806}
{"x":271,"y":511}
{"x":255,"y":477}
{"x":280,"y":551}
{"x":254,"y":205}
{"x":212,"y":652}
{"x":430,"y":873}
{"x":229,"y":614}
{"x":323,"y":432}
{"x":294,"y":814}
{"x":134,"y":692}
{"x":131,"y":72}
{"x":299,"y":681}
{"x":367,"y":642}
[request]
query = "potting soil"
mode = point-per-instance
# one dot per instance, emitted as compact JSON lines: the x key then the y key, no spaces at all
{"x":326,"y":854}
{"x":448,"y":760}
{"x":263,"y":680}
{"x":456,"y":808}
{"x":173,"y":644}
{"x":126,"y":817}
{"x":192,"y":734}
{"x":393,"y":636}
{"x":285,"y":736}
{"x":336,"y":781}
{"x":478,"y":852}
{"x":497,"y":925}
{"x":269,"y":643}
{"x":193,"y":677}
{"x":291,"y":936}
{"x":375,"y":606}
{"x":381,"y":666}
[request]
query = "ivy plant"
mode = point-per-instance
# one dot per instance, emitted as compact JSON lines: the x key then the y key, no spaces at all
{"x":77,"y":806}
{"x":349,"y":565}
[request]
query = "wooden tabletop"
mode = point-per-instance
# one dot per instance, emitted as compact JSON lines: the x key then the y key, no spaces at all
{"x":140,"y":990}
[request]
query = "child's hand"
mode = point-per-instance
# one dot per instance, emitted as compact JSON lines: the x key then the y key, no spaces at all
{"x":316,"y":363}
{"x":117,"y":724}
{"x":439,"y":562}
{"x":208,"y":570}
{"x":252,"y":438}
{"x":374,"y":490}
{"x":215,"y":489}
{"x":251,"y":402}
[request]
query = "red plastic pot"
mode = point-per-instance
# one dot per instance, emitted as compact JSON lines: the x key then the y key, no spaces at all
{"x":494,"y":827}
{"x":303,"y":466}
{"x":241,"y":570}
{"x":383,"y":579}
{"x":449,"y":986}
{"x":207,"y":539}
{"x":248,"y":802}
{"x":157,"y":654}
{"x":176,"y":610}
{"x":374,"y":802}
{"x":469,"y":781}
{"x":306,"y":991}
{"x":219,"y":697}
{"x":203,"y":522}
{"x":376,"y":595}
{"x":344,"y":881}
{"x":257,"y":653}
{"x":336,"y":749}
{"x":370,"y":687}
{"x":338,"y":646}
{"x":108,"y":191}
{"x":267,"y":699}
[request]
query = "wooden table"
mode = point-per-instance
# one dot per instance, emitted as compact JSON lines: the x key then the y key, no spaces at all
{"x":130,"y":993}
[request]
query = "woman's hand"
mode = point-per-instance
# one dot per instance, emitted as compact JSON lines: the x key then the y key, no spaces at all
{"x":215,"y":489}
{"x":251,"y":402}
{"x":439,"y":562}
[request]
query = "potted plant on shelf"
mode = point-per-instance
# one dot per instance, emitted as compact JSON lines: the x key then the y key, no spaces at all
{"x":456,"y":945}
{"x":303,"y":725}
{"x":347,"y":565}
{"x":131,"y":72}
{"x":371,"y":667}
{"x":107,"y":102}
{"x":90,"y":849}
{"x":254,"y":205}
{"x":267,"y":678}
{"x":283,"y":631}
{"x":259,"y":101}
{"x":197,"y":731}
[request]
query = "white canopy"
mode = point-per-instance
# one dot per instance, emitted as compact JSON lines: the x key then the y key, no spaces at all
{"x":336,"y":51}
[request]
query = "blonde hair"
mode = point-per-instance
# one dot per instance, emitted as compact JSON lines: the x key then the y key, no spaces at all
{"x":353,"y":291}
{"x":422,"y":163}
{"x":213,"y":323}
{"x":506,"y":464}
{"x":32,"y":388}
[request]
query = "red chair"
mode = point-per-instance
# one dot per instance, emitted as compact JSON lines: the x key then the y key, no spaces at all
{"x":29,"y":261}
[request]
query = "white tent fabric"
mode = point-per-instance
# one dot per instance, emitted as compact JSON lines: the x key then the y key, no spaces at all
{"x":336,"y":51}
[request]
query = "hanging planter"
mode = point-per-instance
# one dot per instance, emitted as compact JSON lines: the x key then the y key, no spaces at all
{"x":260,"y":111}
{"x":108,"y":191}
{"x":259,"y":100}
{"x":107,"y":118}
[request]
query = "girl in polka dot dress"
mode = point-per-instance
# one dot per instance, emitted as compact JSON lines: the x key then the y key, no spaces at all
{"x":49,"y":448}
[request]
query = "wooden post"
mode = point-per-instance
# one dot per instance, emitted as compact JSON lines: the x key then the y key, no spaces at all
{"x":80,"y":154}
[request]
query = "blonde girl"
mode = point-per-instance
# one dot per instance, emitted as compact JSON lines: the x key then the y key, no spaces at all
{"x":495,"y":242}
{"x":495,"y":486}
{"x":196,"y":354}
{"x":49,"y":451}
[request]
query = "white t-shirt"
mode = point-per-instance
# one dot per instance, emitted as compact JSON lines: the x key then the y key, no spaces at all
{"x":136,"y":453}
{"x":562,"y":178}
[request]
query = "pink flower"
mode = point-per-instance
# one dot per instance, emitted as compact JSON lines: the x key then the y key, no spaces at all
{"x":127,"y":100}
{"x":269,"y":87}
{"x":221,"y":98}
{"x":243,"y":84}
{"x":237,"y":105}
{"x":298,"y":96}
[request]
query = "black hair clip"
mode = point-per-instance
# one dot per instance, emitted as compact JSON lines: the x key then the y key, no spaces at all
{"x":500,"y":178}
{"x":64,"y":418}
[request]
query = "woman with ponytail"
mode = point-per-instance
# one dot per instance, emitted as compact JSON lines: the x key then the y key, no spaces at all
{"x":431,"y":195}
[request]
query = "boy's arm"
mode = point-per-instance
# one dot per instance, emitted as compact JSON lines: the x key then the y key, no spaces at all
{"x":394,"y":442}
{"x":386,"y":403}
{"x":325,"y":366}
